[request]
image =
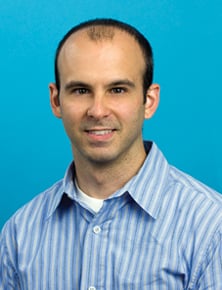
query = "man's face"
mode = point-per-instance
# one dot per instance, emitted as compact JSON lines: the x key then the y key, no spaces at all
{"x":101,"y":98}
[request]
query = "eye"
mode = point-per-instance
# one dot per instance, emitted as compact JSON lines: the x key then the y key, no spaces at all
{"x":80,"y":91}
{"x":118,"y":90}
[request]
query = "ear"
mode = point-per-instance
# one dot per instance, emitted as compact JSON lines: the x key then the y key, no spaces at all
{"x":54,"y":100}
{"x":152,"y":100}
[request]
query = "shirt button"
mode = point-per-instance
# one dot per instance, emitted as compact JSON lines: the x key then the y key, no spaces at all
{"x":96,"y":230}
{"x":92,"y":288}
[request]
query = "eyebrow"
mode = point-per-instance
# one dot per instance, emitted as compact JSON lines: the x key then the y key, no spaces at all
{"x":72,"y":84}
{"x":122,"y":82}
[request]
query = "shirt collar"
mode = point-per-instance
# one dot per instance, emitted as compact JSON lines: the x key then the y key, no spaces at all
{"x":146,"y":188}
{"x":66,"y":186}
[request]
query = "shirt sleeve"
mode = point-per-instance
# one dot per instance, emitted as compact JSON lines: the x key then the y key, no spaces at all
{"x":210,"y":271}
{"x":8,"y":274}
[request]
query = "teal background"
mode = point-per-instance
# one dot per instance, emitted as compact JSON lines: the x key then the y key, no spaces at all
{"x":186,"y":37}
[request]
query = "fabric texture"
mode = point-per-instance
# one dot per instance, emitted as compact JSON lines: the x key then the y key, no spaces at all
{"x":162,"y":230}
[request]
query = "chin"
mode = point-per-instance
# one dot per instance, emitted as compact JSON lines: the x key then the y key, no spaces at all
{"x":102,"y":158}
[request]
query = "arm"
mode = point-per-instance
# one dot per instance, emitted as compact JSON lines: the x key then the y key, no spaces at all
{"x":8,"y":274}
{"x":209,"y":274}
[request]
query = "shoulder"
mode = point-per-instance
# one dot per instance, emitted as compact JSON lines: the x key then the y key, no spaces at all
{"x":35,"y":211}
{"x":193,"y":210}
{"x":190,"y":187}
{"x":25,"y":228}
{"x":197,"y":209}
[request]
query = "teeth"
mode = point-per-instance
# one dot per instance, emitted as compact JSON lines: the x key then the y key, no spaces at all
{"x":100,"y":132}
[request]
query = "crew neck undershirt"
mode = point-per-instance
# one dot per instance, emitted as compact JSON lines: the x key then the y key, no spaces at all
{"x":93,"y":203}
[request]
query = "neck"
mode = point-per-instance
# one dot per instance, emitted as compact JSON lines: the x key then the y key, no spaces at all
{"x":102,"y":180}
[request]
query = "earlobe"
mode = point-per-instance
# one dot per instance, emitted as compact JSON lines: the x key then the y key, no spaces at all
{"x":152,"y":100}
{"x":54,"y":100}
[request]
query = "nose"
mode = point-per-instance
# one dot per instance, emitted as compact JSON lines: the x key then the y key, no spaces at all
{"x":98,"y":108}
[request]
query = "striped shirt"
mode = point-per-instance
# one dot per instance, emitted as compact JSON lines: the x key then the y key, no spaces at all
{"x":162,"y":230}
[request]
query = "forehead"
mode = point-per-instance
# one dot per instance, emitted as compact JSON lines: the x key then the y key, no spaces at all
{"x":99,"y":35}
{"x":103,"y":48}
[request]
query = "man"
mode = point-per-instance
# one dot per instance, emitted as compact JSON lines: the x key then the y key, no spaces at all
{"x":122,"y":217}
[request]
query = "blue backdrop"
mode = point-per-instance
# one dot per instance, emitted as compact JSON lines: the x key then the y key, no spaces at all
{"x":187,"y":41}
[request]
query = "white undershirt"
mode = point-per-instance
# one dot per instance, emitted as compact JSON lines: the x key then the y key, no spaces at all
{"x":93,"y":203}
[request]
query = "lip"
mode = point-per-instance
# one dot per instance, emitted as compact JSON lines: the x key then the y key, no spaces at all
{"x":102,"y":134}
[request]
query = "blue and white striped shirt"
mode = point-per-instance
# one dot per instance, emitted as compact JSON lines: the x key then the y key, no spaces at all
{"x":162,"y":230}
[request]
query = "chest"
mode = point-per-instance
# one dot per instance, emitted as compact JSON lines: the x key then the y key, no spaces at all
{"x":119,"y":248}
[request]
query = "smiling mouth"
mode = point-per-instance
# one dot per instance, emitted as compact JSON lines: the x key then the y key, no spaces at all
{"x":100,"y":132}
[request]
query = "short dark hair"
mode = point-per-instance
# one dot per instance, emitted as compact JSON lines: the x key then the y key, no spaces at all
{"x":106,"y":22}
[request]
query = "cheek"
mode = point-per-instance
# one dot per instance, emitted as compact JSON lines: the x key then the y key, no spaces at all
{"x":70,"y":118}
{"x":71,"y":111}
{"x":132,"y":113}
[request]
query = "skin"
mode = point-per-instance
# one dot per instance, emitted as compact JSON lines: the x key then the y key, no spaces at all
{"x":101,"y":105}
